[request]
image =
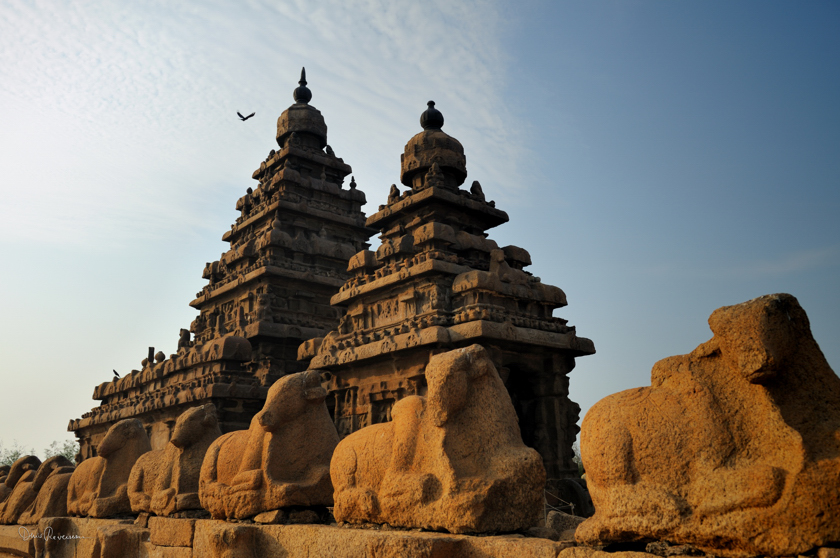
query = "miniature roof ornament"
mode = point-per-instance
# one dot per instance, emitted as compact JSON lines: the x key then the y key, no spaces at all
{"x":302,"y":93}
{"x":433,"y":145}
{"x":432,"y":118}
{"x":302,"y":119}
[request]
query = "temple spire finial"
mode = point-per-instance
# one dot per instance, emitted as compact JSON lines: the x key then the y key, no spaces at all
{"x":302,"y":93}
{"x":431,"y":119}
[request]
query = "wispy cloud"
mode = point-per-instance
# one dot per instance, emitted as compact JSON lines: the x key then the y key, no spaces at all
{"x":133,"y":103}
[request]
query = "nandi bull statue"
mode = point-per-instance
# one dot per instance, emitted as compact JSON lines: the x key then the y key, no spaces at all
{"x":452,"y":460}
{"x":165,"y":481}
{"x":98,"y":487}
{"x":282,"y":460}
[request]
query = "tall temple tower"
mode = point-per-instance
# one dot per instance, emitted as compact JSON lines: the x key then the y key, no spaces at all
{"x":437,"y":283}
{"x":266,"y":295}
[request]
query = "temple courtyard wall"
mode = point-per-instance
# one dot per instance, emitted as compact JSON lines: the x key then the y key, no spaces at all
{"x":190,"y":538}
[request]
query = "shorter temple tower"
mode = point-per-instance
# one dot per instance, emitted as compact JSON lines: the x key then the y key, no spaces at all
{"x":267,"y":294}
{"x":437,"y":283}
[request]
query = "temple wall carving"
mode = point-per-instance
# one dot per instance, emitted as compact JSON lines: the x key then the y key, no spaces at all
{"x":268,"y":293}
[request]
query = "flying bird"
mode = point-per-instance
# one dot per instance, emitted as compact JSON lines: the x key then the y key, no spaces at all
{"x":116,"y":375}
{"x":244,"y":118}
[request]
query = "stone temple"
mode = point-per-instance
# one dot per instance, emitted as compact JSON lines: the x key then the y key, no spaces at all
{"x":437,"y":282}
{"x":266,"y":295}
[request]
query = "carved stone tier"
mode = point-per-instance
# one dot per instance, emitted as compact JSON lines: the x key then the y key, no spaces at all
{"x":270,"y":291}
{"x":437,"y":283}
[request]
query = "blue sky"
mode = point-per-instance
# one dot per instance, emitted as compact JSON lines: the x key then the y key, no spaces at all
{"x":658,"y":160}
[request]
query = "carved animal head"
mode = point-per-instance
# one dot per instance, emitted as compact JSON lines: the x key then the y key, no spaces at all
{"x":289,"y":398}
{"x":50,"y":465}
{"x":758,"y":337}
{"x":193,"y":424}
{"x":21,"y":467}
{"x":449,"y":376}
{"x":119,"y":435}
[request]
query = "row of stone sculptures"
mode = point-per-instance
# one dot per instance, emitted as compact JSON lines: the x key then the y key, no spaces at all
{"x":734,"y":449}
{"x":453,"y":460}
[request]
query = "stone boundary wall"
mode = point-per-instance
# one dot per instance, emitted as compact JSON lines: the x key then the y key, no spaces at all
{"x":205,"y":538}
{"x":196,"y":538}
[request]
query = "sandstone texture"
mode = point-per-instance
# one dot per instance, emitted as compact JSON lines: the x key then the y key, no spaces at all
{"x":735,"y":447}
{"x":166,"y":481}
{"x":51,"y":499}
{"x":99,"y":485}
{"x":16,"y":492}
{"x":21,"y":507}
{"x":215,"y":539}
{"x":282,"y":460}
{"x":451,"y":460}
{"x":23,"y":468}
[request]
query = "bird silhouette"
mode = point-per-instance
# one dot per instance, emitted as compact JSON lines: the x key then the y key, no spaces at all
{"x":244,"y":118}
{"x":116,"y":375}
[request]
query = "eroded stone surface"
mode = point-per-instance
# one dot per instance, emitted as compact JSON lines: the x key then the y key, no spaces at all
{"x":167,"y":531}
{"x":452,"y":460}
{"x":214,"y":538}
{"x":282,"y":460}
{"x":23,"y":468}
{"x":166,"y":481}
{"x":99,"y":486}
{"x":23,"y":504}
{"x":735,"y":447}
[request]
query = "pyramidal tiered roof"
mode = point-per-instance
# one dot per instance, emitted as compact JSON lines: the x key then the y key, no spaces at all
{"x":289,"y":247}
{"x":438,"y":282}
{"x":267,"y":294}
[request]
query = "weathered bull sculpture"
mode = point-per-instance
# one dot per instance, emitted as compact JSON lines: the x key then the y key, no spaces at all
{"x":165,"y":481}
{"x":24,"y":467}
{"x":28,"y":487}
{"x":735,"y":448}
{"x":98,"y":487}
{"x":281,"y":460}
{"x":452,"y":460}
{"x":50,"y":485}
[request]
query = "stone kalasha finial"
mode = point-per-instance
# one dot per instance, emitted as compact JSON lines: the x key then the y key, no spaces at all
{"x":302,"y":94}
{"x":431,"y":119}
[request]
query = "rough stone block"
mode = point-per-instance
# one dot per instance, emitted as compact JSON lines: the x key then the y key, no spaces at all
{"x":215,"y":538}
{"x":589,"y":552}
{"x":12,"y":542}
{"x":167,"y":531}
{"x":154,"y":551}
